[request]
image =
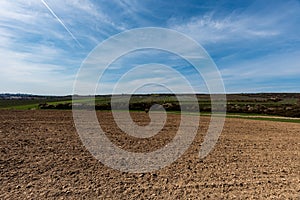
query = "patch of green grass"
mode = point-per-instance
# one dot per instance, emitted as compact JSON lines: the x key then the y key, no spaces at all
{"x":249,"y":116}
{"x":23,"y":107}
{"x":11,"y":103}
{"x":24,"y":104}
{"x":267,"y":119}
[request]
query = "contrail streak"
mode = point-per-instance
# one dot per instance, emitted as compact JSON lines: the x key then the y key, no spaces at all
{"x":61,"y":22}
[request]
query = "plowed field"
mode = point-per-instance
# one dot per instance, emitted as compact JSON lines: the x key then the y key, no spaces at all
{"x":42,"y":157}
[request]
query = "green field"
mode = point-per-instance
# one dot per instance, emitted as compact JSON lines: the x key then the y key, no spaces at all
{"x":238,"y":105}
{"x":250,"y":106}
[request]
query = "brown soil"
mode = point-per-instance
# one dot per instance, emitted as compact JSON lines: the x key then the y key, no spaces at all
{"x":42,"y":157}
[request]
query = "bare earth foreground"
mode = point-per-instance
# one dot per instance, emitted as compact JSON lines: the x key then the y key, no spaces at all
{"x":42,"y":157}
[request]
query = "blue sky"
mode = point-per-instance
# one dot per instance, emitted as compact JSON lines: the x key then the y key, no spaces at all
{"x":255,"y":44}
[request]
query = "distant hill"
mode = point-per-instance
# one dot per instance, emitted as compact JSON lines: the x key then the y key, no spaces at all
{"x":282,"y":104}
{"x":27,"y":96}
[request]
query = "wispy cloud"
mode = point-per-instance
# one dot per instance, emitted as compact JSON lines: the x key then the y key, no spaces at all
{"x":31,"y":58}
{"x":272,"y":66}
{"x":151,"y":78}
{"x":253,"y":47}
{"x":209,"y":29}
{"x":260,"y":21}
{"x":272,"y":72}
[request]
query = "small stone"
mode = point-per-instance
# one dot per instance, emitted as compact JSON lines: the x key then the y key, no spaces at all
{"x":154,"y":175}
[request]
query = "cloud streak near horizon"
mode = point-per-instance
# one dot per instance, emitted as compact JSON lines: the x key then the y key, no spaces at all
{"x":255,"y":44}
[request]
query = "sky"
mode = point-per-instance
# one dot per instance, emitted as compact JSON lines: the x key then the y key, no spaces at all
{"x":254,"y":44}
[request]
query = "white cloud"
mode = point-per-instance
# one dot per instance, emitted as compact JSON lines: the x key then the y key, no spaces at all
{"x":276,"y":72}
{"x":28,"y":71}
{"x":258,"y":21}
{"x":31,"y":60}
{"x":271,"y":66}
{"x":207,"y":29}
{"x":255,"y":48}
{"x":151,"y":78}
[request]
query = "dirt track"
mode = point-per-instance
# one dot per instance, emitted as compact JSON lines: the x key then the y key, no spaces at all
{"x":41,"y":157}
